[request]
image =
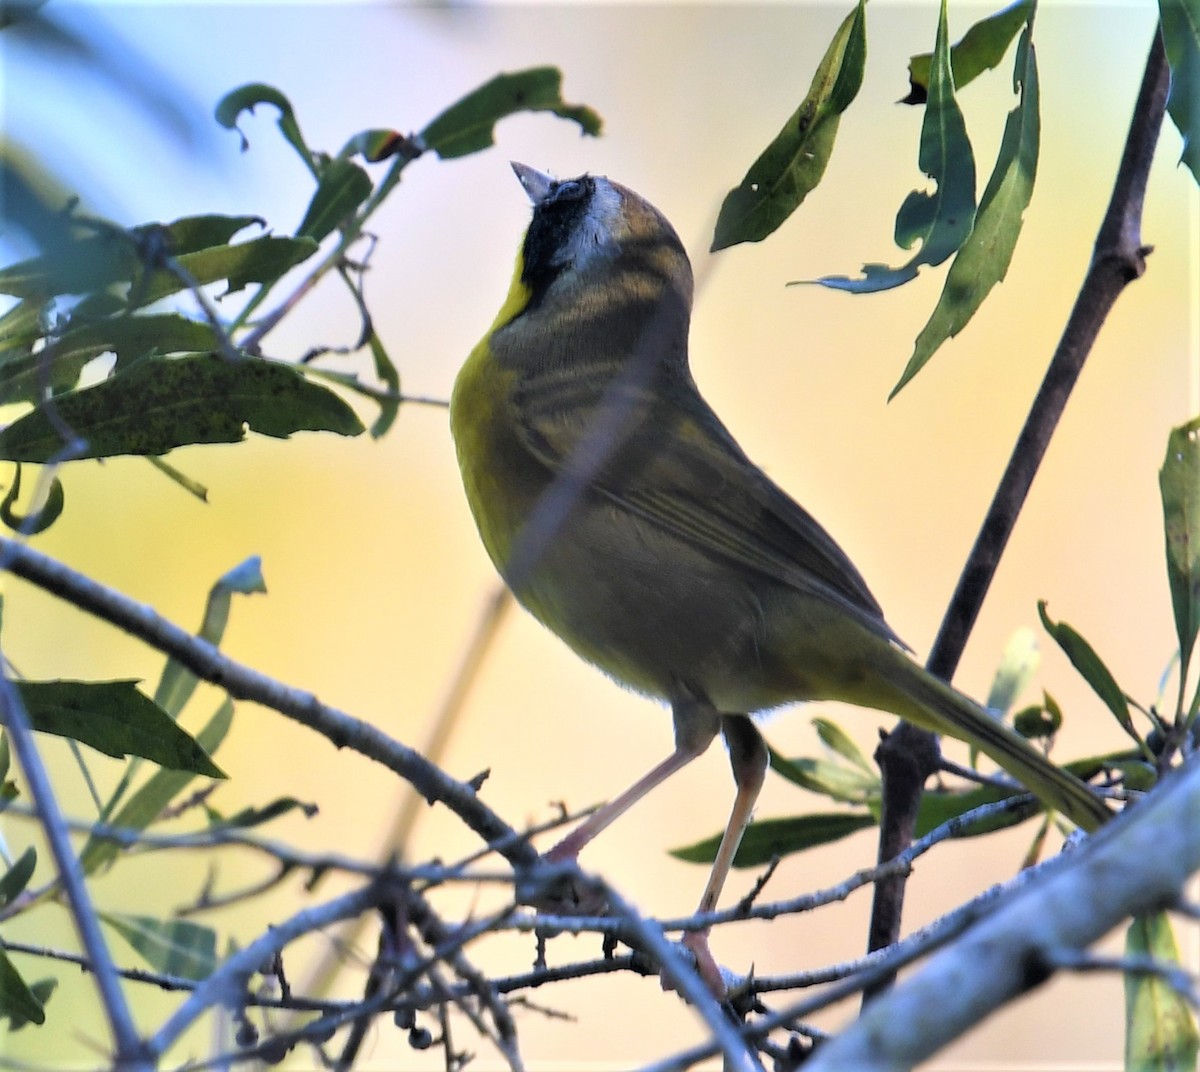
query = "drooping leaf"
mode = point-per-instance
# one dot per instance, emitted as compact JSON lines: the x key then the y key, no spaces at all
{"x":158,"y":404}
{"x":17,"y":877}
{"x":47,"y":513}
{"x":1039,"y":721}
{"x":172,"y":946}
{"x":768,"y":838}
{"x":1181,"y":38}
{"x":940,"y":221}
{"x":983,"y":260}
{"x":342,"y":187}
{"x":178,"y":683}
{"x":1179,"y":485}
{"x":18,"y":1002}
{"x":386,"y":370}
{"x":981,"y":48}
{"x":246,"y":98}
{"x":467,"y":126}
{"x":141,"y":809}
{"x":1084,"y":658}
{"x":1160,"y":1028}
{"x":792,"y":165}
{"x":114,"y":718}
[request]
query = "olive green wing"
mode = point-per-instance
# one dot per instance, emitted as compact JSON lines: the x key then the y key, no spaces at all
{"x":661,"y":453}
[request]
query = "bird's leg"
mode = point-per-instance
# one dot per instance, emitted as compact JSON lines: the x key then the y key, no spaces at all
{"x":748,"y":758}
{"x":695,"y":727}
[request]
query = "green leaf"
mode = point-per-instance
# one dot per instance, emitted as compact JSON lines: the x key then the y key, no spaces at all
{"x":1181,"y":37}
{"x":47,"y":513}
{"x":157,"y":404}
{"x":261,"y":260}
{"x":467,"y":126}
{"x":985,"y":256}
{"x":1160,"y":1029}
{"x":768,"y":838}
{"x":114,"y":718}
{"x":90,"y":263}
{"x":834,"y":737}
{"x":938,"y":807}
{"x":148,"y":802}
{"x":1018,"y":664}
{"x":982,"y":47}
{"x":377,"y":145}
{"x":257,"y":816}
{"x":793,"y":164}
{"x":942,"y":220}
{"x":172,"y":946}
{"x":18,"y":1002}
{"x":189,"y":234}
{"x":833,"y":780}
{"x":343,"y":186}
{"x":386,"y":370}
{"x":1179,"y":484}
{"x":246,"y":98}
{"x":177,"y":683}
{"x":17,"y":877}
{"x":1084,"y":658}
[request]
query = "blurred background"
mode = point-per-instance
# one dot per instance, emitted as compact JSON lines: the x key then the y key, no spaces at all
{"x":375,"y":573}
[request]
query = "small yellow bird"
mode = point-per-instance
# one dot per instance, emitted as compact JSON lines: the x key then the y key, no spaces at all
{"x":626,"y":518}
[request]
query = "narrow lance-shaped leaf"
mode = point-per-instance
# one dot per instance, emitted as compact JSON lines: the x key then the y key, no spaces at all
{"x":768,"y":838}
{"x":1160,"y":1028}
{"x":1181,"y":39}
{"x":983,"y":260}
{"x":941,"y":220}
{"x":147,"y":803}
{"x":158,"y":404}
{"x":792,"y":165}
{"x":114,"y":718}
{"x":18,"y":1003}
{"x":342,"y":187}
{"x":1084,"y":658}
{"x":178,"y":683}
{"x":981,"y":48}
{"x":17,"y":877}
{"x":1179,"y":484}
{"x":171,"y":946}
{"x":467,"y":126}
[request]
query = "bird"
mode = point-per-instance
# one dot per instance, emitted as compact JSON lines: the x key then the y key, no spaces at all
{"x":625,"y":517}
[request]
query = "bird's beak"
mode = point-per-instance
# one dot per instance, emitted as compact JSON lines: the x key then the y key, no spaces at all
{"x":537,"y":183}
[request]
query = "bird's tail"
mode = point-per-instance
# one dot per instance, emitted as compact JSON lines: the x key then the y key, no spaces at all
{"x":934,"y":705}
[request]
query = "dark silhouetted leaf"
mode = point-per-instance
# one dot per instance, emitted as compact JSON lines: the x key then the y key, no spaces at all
{"x":47,"y":514}
{"x":17,"y":877}
{"x":114,"y":718}
{"x":791,"y":166}
{"x":769,"y":838}
{"x":467,"y":126}
{"x":18,"y":1002}
{"x":158,"y":404}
